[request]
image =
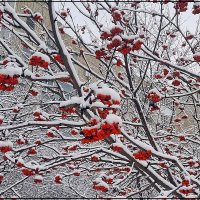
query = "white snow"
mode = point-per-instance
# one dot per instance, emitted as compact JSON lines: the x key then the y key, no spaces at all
{"x":112,"y":118}
{"x":117,"y":37}
{"x":38,"y":177}
{"x":72,"y":101}
{"x":108,"y":91}
{"x":6,"y":143}
{"x":196,"y":3}
{"x":11,"y":71}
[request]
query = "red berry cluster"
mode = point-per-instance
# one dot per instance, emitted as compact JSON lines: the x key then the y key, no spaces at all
{"x":153,"y":96}
{"x":95,"y":158}
{"x":176,"y":82}
{"x":1,"y":178}
{"x":63,"y":13}
{"x":7,"y":82}
{"x":115,"y":43}
{"x":1,"y":119}
{"x":181,"y":137}
{"x":121,"y":44}
{"x":100,"y":53}
{"x":19,"y":164}
{"x":32,"y":151}
{"x":33,"y":92}
{"x":185,"y":182}
{"x":107,"y":180}
{"x":101,"y":188}
{"x":196,"y":9}
{"x":76,"y":173}
{"x":5,"y":149}
{"x":58,"y":58}
{"x":181,"y":6}
{"x":38,"y":179}
{"x":1,"y":14}
{"x":142,"y":155}
{"x":119,"y":62}
{"x":158,"y":76}
{"x":117,"y":148}
{"x":191,"y":163}
{"x":38,"y":116}
{"x":197,"y":57}
{"x":21,"y":141}
{"x":106,"y":99}
{"x":74,"y":132}
{"x":37,"y":17}
{"x":50,"y":134}
{"x":93,"y":134}
{"x":154,"y":108}
{"x":37,"y":60}
{"x":28,"y":172}
{"x":68,"y":110}
{"x":58,"y":179}
{"x":186,"y":191}
{"x":118,"y":15}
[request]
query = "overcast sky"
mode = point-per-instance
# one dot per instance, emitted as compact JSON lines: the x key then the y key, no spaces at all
{"x":189,"y":21}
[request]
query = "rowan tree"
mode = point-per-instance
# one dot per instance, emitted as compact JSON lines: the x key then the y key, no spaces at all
{"x":130,"y":129}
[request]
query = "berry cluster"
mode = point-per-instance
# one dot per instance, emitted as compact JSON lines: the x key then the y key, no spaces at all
{"x":106,"y":99}
{"x":63,"y":13}
{"x":186,"y":191}
{"x":38,"y":116}
{"x":100,"y":53}
{"x":197,"y":57}
{"x":5,"y":148}
{"x":28,"y":172}
{"x":117,"y":148}
{"x":76,"y":173}
{"x":102,"y":128}
{"x":196,"y":9}
{"x":40,"y":60}
{"x":94,"y":134}
{"x":100,"y":185}
{"x":142,"y":155}
{"x":118,"y":15}
{"x":95,"y":158}
{"x":185,"y":182}
{"x":38,"y":179}
{"x":7,"y":82}
{"x":68,"y":110}
{"x":118,"y":42}
{"x":33,"y":92}
{"x":176,"y":82}
{"x":58,"y":179}
{"x":58,"y":58}
{"x":31,"y":152}
{"x":37,"y":17}
{"x":21,"y":141}
{"x":181,"y":6}
{"x":107,"y":179}
{"x":153,"y":96}
{"x":1,"y":178}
